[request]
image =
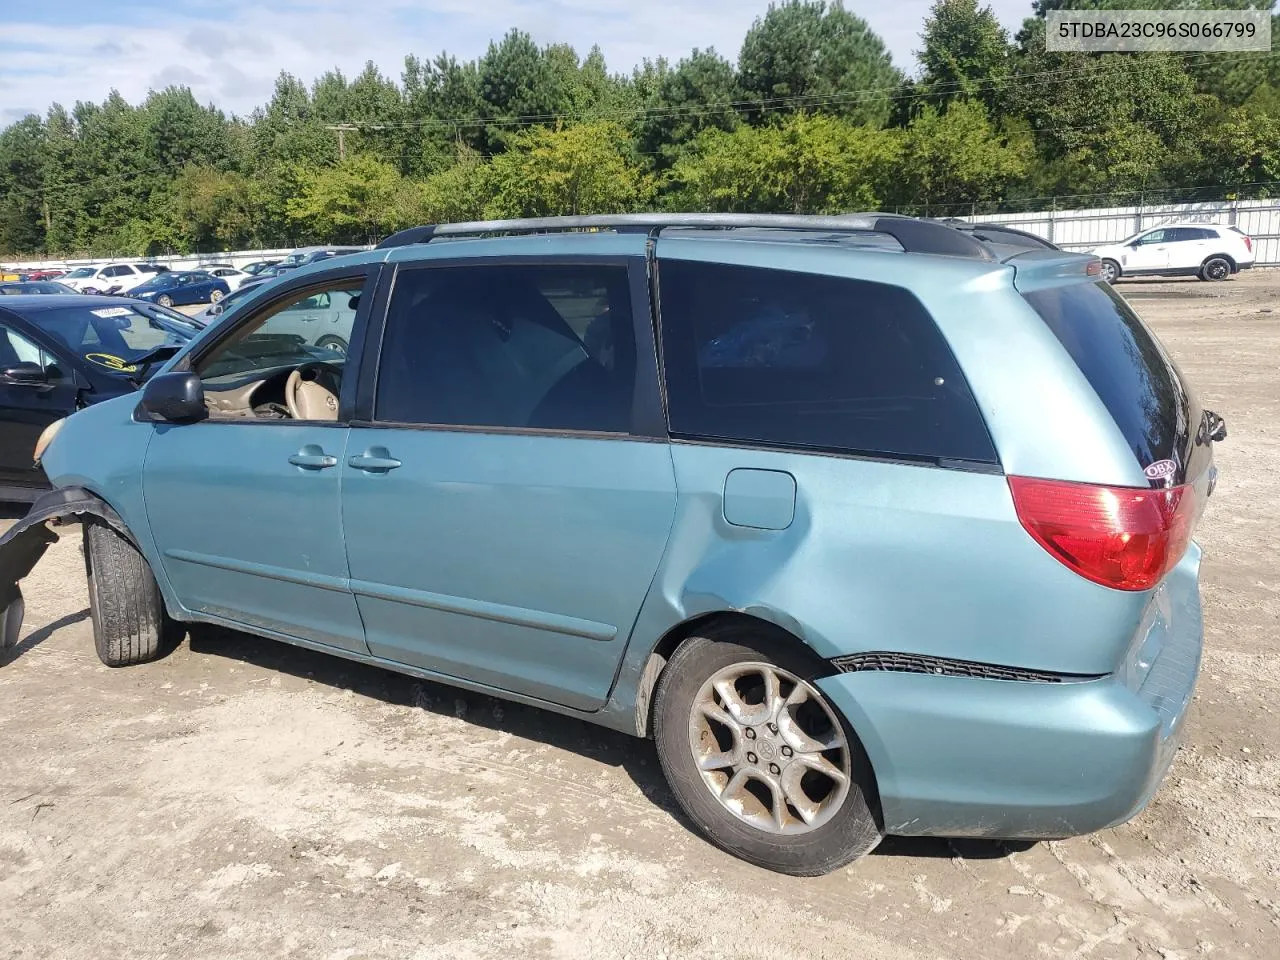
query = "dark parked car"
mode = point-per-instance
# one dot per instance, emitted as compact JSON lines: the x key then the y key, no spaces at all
{"x":33,"y":286}
{"x":215,"y":310}
{"x":61,"y":353}
{"x":258,"y":266}
{"x":176,"y":289}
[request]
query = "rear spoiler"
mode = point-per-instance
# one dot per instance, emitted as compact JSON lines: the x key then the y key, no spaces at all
{"x":1037,"y":269}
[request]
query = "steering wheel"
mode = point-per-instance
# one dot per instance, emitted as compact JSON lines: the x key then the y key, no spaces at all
{"x":311,"y":393}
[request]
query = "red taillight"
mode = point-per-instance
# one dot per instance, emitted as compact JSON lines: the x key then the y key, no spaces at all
{"x":1248,"y":244}
{"x":1122,"y":537}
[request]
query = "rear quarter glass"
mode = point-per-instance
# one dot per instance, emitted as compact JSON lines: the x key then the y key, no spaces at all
{"x":1134,"y":377}
{"x":780,"y":358}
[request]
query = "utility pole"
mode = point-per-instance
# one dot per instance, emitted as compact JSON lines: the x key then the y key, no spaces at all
{"x":342,"y":129}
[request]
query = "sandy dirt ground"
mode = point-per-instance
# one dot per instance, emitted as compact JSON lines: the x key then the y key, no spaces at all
{"x":243,"y":798}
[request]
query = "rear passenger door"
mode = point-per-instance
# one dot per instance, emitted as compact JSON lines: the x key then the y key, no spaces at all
{"x":508,"y":498}
{"x":1186,"y":246}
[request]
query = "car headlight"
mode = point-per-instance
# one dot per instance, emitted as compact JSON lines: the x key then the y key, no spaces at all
{"x":46,"y":438}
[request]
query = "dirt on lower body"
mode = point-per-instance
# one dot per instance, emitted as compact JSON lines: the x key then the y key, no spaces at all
{"x":245,"y":798}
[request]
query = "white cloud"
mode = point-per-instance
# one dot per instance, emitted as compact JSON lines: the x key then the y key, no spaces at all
{"x":231,"y":56}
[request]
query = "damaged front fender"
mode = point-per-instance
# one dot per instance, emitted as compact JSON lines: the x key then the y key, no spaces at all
{"x":23,"y":544}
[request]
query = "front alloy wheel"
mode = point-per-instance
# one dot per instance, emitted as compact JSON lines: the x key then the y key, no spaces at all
{"x":165,"y":300}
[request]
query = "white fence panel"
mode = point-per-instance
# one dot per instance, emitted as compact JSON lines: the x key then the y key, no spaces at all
{"x":1085,"y":229}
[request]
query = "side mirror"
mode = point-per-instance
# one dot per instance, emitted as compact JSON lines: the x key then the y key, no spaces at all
{"x":173,"y":398}
{"x":24,"y":372}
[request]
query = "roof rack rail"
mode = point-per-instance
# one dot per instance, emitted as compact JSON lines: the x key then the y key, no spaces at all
{"x":915,"y":236}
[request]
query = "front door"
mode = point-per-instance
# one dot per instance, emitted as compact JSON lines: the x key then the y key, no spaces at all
{"x":244,"y":506}
{"x":35,"y":390}
{"x":503,"y":521}
{"x":1150,"y":253}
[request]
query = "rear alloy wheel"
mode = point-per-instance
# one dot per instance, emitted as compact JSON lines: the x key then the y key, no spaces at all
{"x":215,"y":296}
{"x":164,"y":300}
{"x":760,"y":760}
{"x":1110,"y":271}
{"x":1215,"y":268}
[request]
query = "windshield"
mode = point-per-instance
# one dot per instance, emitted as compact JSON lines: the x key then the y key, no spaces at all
{"x":79,"y":273}
{"x":112,"y":338}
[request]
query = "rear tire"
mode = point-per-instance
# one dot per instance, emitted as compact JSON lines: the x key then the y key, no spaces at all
{"x":1110,"y":271}
{"x":777,"y":802}
{"x":215,"y":296}
{"x":1215,"y":268}
{"x":130,"y":625}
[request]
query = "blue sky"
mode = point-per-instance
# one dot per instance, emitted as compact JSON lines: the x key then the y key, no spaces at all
{"x":230,"y":52}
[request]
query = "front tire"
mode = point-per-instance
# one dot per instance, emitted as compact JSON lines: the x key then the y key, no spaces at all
{"x":1110,"y":271}
{"x":165,"y":300}
{"x":130,"y":625}
{"x":759,"y":759}
{"x":1215,"y":268}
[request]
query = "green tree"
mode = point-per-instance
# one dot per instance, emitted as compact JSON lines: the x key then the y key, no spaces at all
{"x":582,"y":169}
{"x":700,"y":93}
{"x":22,"y":212}
{"x":459,"y":193}
{"x":213,"y":209}
{"x":823,"y":55}
{"x":956,"y":158}
{"x":1108,"y":123}
{"x":805,"y":164}
{"x":966,"y":53}
{"x":517,"y":83}
{"x":359,"y":200}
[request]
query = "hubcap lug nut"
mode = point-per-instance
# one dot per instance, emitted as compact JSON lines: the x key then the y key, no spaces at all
{"x":773,"y":728}
{"x":751,"y":733}
{"x":787,"y":751}
{"x":773,"y":768}
{"x":751,"y":758}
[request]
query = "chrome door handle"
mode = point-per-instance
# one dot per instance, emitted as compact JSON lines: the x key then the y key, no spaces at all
{"x":311,"y":457}
{"x":374,"y":460}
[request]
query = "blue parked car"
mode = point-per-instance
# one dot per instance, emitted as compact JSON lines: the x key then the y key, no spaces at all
{"x":873,"y":526}
{"x":179,"y":289}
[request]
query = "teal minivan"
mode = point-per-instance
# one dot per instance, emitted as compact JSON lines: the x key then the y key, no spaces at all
{"x":873,"y":526}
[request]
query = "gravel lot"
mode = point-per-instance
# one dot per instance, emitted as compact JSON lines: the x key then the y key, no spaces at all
{"x":244,"y":798}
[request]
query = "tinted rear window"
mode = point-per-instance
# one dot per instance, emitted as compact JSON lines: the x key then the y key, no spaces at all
{"x":801,"y":360}
{"x":1124,"y":363}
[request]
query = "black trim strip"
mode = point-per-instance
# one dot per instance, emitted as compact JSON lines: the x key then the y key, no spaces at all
{"x":886,"y":662}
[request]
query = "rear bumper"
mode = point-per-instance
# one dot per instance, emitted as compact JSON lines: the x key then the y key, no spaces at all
{"x":961,"y":756}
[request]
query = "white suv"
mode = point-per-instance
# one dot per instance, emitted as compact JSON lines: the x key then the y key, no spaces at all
{"x":1204,"y":250}
{"x":112,"y":278}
